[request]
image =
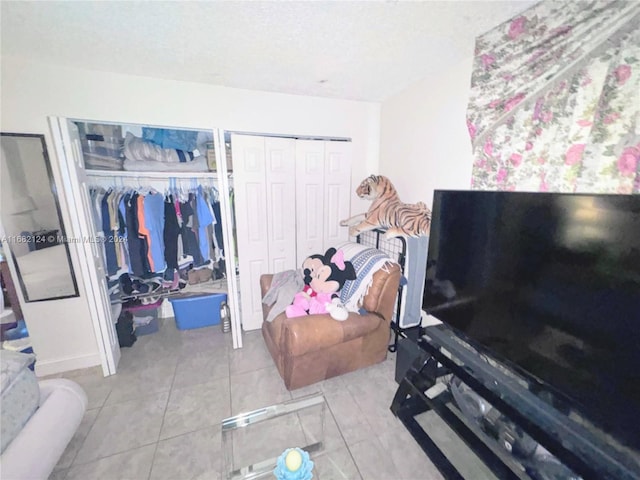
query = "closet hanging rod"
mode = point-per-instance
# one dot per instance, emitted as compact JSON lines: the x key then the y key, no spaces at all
{"x":163,"y":175}
{"x":162,"y":293}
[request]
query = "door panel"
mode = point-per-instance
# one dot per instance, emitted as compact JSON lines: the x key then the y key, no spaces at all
{"x":337,"y":192}
{"x":281,"y":201}
{"x":255,"y":269}
{"x":310,"y":173}
{"x":251,"y":223}
{"x":332,"y":231}
{"x":92,"y":273}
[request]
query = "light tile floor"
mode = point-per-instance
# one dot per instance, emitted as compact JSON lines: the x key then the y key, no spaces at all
{"x":159,"y":417}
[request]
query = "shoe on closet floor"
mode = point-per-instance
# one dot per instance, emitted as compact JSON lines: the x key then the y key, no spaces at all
{"x":193,"y":277}
{"x":126,"y":285}
{"x":171,"y":279}
{"x":217,"y":273}
{"x":185,"y":261}
{"x":204,"y":274}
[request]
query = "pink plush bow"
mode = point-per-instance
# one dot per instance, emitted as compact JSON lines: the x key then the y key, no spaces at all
{"x":338,"y":259}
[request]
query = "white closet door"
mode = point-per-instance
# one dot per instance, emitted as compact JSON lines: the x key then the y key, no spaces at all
{"x":251,"y":223}
{"x":337,"y":192}
{"x":310,"y":172}
{"x":68,"y":148}
{"x":281,"y":200}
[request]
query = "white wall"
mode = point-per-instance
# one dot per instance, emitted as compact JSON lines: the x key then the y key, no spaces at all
{"x":62,"y":332}
{"x":424,"y":143}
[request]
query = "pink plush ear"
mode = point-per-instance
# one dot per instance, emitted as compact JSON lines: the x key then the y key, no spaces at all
{"x":338,"y":259}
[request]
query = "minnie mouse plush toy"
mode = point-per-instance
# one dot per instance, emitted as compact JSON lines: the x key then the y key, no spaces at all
{"x":324,"y":276}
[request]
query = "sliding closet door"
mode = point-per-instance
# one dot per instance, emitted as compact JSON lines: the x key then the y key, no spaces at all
{"x":290,"y":197}
{"x":323,"y":192}
{"x":251,"y":223}
{"x":310,"y":173}
{"x":93,"y":275}
{"x":281,"y":201}
{"x":337,"y":192}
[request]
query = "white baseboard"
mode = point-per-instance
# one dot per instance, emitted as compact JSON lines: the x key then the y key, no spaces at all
{"x":53,"y":367}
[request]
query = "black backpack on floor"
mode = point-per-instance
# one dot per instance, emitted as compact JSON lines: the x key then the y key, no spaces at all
{"x":124,"y":328}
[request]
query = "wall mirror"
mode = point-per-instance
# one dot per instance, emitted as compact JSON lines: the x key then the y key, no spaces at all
{"x":30,"y":220}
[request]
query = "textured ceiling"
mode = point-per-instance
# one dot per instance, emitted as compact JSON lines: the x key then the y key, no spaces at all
{"x":350,"y":50}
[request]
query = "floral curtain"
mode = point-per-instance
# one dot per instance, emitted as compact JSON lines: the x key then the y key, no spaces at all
{"x":555,"y":100}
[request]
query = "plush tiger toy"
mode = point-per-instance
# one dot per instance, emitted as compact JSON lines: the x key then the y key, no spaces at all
{"x":387,"y":211}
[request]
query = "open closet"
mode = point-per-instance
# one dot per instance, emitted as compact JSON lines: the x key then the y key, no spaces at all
{"x":153,"y":225}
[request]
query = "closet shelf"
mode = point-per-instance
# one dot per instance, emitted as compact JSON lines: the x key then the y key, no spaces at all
{"x":151,"y":174}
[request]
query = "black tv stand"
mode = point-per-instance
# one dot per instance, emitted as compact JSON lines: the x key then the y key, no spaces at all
{"x":580,"y":449}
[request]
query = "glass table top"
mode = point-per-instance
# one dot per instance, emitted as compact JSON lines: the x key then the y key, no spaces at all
{"x":253,"y":441}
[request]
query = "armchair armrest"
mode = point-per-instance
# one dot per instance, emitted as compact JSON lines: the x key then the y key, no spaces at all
{"x":265,"y":282}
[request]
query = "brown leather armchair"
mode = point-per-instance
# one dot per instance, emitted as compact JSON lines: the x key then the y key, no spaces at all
{"x":309,"y":349}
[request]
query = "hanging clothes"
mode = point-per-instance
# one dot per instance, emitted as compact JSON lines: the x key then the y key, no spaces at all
{"x":143,"y":234}
{"x":116,"y":221}
{"x":171,"y":233}
{"x":142,"y":228}
{"x":154,"y":228}
{"x":97,"y":194}
{"x":205,"y":218}
{"x":122,"y":233}
{"x":109,"y":241}
{"x":218,"y":229}
{"x":189,"y":239}
{"x":210,"y":196}
{"x":136,"y":248}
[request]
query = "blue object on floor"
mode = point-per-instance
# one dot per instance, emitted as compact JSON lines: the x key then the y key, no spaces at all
{"x":19,"y":331}
{"x":32,"y":365}
{"x":197,"y":311}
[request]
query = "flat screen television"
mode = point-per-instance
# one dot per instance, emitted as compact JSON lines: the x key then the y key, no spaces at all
{"x":549,"y":284}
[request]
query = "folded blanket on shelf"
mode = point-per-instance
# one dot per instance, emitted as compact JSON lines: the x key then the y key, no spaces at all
{"x":199,"y":164}
{"x":102,"y":162}
{"x":138,"y":149}
{"x":366,"y":261}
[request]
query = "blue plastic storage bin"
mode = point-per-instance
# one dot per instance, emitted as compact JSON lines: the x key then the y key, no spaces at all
{"x":196,"y":311}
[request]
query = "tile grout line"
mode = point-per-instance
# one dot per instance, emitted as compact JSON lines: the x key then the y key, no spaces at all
{"x":73,"y":461}
{"x":166,"y":406}
{"x":344,"y":439}
{"x":368,"y":421}
{"x":113,"y":455}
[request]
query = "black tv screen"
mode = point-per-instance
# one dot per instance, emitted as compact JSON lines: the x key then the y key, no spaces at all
{"x":549,"y":283}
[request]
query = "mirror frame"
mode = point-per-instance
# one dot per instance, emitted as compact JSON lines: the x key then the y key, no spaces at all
{"x":7,"y":245}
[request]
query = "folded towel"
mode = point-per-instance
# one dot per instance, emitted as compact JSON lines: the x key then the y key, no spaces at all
{"x":366,"y":261}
